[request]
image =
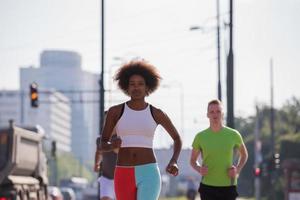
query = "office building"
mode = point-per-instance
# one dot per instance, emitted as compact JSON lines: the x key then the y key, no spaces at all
{"x":61,"y":71}
{"x":53,"y":116}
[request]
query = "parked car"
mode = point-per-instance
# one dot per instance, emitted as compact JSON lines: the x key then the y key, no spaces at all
{"x":54,"y":193}
{"x":68,"y":193}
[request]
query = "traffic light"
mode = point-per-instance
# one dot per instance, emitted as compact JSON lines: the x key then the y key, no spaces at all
{"x":274,"y":162}
{"x":34,"y":95}
{"x":257,"y":172}
{"x":277,"y":160}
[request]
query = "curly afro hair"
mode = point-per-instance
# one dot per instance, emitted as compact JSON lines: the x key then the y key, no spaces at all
{"x":142,"y":68}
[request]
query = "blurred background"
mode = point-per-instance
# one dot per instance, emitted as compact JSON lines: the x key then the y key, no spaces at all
{"x":245,"y":55}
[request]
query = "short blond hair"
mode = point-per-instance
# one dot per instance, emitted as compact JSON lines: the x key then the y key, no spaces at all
{"x":216,"y":102}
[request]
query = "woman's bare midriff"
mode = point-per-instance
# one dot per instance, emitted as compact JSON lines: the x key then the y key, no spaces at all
{"x":131,"y":156}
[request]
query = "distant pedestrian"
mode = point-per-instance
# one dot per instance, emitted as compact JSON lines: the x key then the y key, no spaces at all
{"x":137,"y":175}
{"x":191,"y":189}
{"x":216,"y":146}
{"x":105,"y":163}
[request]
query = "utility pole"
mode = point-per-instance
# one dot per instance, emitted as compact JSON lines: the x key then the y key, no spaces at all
{"x":101,"y":81}
{"x":257,"y":155}
{"x":272,"y":109}
{"x":219,"y":51}
{"x":230,"y":73}
{"x":273,"y":172}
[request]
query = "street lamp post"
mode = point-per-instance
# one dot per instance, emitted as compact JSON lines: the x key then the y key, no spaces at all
{"x":218,"y":48}
{"x":230,"y":65}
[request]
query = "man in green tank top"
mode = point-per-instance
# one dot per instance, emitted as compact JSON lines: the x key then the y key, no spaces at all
{"x":217,"y":146}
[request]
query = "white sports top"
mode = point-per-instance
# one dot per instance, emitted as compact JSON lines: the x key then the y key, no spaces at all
{"x":136,"y":127}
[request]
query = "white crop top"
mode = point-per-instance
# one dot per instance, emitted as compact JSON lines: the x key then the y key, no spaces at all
{"x":136,"y":127}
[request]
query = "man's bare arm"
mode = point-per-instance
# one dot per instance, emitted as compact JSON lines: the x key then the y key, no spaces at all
{"x":243,"y":158}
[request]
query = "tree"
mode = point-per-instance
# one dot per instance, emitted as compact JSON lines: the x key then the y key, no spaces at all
{"x":68,"y":166}
{"x":287,"y":142}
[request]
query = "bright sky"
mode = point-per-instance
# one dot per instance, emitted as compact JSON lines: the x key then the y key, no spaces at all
{"x":159,"y":32}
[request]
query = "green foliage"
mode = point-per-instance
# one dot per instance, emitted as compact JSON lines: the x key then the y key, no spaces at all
{"x":290,"y":114}
{"x":68,"y":166}
{"x":290,"y":149}
{"x":287,"y":142}
{"x":245,"y":126}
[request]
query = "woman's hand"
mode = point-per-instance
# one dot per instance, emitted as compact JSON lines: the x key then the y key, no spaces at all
{"x":116,"y":143}
{"x":97,"y":167}
{"x":104,"y":146}
{"x":110,"y":146}
{"x":172,"y":168}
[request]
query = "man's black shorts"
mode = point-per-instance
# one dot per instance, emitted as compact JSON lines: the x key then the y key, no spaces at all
{"x":217,"y":193}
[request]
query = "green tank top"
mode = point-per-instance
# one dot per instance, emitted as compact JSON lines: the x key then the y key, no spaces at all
{"x":218,"y":151}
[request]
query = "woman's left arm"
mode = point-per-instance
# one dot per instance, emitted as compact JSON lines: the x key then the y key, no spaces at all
{"x":165,"y":121}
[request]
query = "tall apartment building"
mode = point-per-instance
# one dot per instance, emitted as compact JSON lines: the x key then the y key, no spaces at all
{"x":54,"y":116}
{"x":61,"y":70}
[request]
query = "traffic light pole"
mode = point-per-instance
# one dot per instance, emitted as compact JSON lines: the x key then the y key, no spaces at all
{"x":78,"y":93}
{"x":101,"y":81}
{"x":257,"y":156}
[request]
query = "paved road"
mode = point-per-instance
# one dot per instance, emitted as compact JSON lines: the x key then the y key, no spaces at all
{"x":198,"y":198}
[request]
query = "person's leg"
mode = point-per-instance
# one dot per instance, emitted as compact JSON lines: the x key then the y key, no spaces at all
{"x":208,"y":192}
{"x":191,"y":194}
{"x":107,"y":191}
{"x":230,"y":193}
{"x":99,"y":184}
{"x":106,"y":198}
{"x":148,"y":181}
{"x":207,"y":196}
{"x":125,"y":186}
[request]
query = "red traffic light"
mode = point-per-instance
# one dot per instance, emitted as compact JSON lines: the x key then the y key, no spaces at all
{"x":257,"y":171}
